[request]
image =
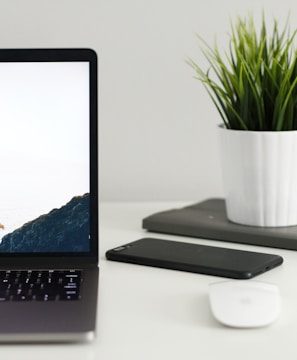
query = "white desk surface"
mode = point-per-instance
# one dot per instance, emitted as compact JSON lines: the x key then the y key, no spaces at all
{"x":149,"y":313}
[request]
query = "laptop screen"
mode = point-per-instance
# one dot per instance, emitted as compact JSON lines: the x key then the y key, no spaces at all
{"x":45,"y":155}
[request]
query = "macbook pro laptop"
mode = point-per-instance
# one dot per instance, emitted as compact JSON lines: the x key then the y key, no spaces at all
{"x":48,"y":194}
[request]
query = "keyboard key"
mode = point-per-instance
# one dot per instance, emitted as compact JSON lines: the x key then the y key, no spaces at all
{"x":21,"y":297}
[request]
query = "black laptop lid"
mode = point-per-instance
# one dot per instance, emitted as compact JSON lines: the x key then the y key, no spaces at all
{"x":48,"y":153}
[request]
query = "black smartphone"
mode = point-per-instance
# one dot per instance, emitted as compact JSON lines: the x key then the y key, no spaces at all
{"x":210,"y":260}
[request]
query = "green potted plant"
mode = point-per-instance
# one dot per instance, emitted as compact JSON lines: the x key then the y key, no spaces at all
{"x":254,"y":88}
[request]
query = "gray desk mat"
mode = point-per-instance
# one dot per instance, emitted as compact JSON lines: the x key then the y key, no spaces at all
{"x":208,"y":220}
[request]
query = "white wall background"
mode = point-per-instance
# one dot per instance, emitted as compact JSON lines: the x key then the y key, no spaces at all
{"x":158,"y":137}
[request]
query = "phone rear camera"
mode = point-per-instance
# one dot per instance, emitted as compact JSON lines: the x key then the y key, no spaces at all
{"x":119,"y":248}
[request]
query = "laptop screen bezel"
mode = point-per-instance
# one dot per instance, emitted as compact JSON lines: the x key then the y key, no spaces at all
{"x":67,"y":55}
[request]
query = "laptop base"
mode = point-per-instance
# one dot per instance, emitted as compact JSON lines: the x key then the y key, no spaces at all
{"x":34,"y":338}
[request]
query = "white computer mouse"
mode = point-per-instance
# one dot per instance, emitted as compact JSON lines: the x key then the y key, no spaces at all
{"x":244,"y":303}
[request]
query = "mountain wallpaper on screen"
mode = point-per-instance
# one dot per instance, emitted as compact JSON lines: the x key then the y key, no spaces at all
{"x":61,"y":230}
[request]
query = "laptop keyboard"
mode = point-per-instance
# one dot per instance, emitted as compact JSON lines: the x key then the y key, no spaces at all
{"x":40,"y":285}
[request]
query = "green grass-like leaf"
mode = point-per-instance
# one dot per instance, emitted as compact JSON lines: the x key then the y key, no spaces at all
{"x":254,"y":84}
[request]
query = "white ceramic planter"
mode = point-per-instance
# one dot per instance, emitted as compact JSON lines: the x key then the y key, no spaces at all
{"x":260,"y":176}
